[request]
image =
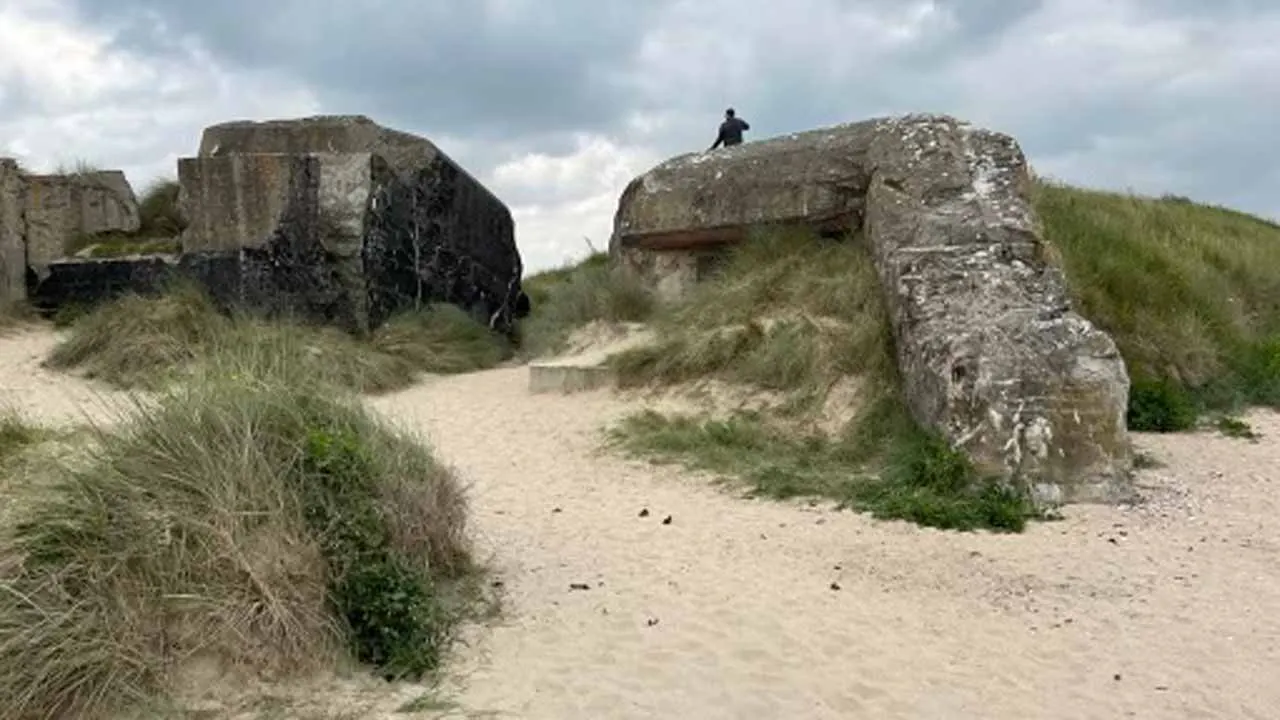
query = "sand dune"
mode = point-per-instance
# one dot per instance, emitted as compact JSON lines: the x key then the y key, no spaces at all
{"x":755,"y":609}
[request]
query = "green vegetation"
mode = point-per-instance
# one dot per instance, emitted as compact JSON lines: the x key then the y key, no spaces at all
{"x":798,"y":316}
{"x":158,"y":211}
{"x":147,"y":342}
{"x":1190,"y":293}
{"x":570,"y":297}
{"x":78,"y":167}
{"x":1235,"y":428}
{"x":883,"y":465}
{"x":160,"y":224}
{"x":16,"y":434}
{"x":252,"y":515}
{"x":788,"y":313}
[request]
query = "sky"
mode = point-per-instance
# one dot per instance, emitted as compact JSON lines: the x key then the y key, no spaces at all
{"x":556,"y":104}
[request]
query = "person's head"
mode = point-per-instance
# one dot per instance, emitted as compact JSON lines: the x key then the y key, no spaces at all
{"x":729,"y":113}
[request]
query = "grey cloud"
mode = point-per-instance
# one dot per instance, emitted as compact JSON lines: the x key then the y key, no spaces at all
{"x":529,"y":70}
{"x":489,"y":89}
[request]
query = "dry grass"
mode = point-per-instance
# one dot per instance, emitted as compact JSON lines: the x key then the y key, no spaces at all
{"x":148,"y":342}
{"x":259,"y":518}
{"x":789,"y":312}
{"x":15,"y":316}
{"x":568,"y":298}
{"x":803,"y":319}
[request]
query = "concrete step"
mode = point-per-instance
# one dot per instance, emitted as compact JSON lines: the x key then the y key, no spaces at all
{"x":569,"y":375}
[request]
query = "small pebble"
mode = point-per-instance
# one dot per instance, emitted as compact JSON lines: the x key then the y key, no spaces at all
{"x":835,"y":586}
{"x":579,"y":586}
{"x":666,"y":520}
{"x":644,"y":512}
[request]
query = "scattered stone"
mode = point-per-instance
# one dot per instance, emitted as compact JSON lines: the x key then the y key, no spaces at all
{"x":652,"y":622}
{"x":667,"y":520}
{"x":835,"y":586}
{"x":644,"y":513}
{"x":579,"y":586}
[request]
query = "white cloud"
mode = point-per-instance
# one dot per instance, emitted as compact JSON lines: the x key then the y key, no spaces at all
{"x":72,"y":95}
{"x":1111,"y":93}
{"x":558,"y":200}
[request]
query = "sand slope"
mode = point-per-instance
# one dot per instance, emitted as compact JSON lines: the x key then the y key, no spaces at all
{"x":731,"y":611}
{"x":756,"y":609}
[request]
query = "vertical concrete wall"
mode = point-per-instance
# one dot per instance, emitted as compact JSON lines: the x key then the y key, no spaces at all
{"x":13,"y":254}
{"x":59,"y":207}
{"x":232,"y":201}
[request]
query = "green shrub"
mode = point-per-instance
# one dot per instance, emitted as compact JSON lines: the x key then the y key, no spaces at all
{"x":1160,"y":405}
{"x":265,"y":521}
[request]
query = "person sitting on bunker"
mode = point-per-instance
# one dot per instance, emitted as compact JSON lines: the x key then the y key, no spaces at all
{"x":730,"y":130}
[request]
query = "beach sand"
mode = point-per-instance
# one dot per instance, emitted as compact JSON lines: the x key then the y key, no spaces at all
{"x":742,"y":608}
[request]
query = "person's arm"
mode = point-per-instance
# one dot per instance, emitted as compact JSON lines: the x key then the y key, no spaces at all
{"x":719,"y":139}
{"x":746,"y":125}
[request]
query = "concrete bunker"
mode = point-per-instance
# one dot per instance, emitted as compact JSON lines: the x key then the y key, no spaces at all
{"x":990,"y":351}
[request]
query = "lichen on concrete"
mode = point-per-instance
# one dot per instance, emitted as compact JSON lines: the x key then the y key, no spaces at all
{"x":991,"y":353}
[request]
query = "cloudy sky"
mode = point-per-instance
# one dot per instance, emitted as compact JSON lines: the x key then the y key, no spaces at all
{"x":556,"y":104}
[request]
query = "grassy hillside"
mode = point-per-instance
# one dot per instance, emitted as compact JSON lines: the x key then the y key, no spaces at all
{"x":1190,"y":293}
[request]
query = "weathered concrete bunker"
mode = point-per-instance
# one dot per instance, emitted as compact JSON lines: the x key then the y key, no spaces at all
{"x":991,"y":353}
{"x":341,"y":220}
{"x":329,"y":219}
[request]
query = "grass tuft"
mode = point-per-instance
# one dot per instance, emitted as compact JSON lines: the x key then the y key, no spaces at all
{"x":264,"y":521}
{"x":910,"y":475}
{"x":794,"y":314}
{"x":147,"y":342}
{"x":566,"y":299}
{"x":1236,"y":428}
{"x":16,"y":434}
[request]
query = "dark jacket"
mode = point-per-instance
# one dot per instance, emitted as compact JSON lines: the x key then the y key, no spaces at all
{"x":731,"y":132}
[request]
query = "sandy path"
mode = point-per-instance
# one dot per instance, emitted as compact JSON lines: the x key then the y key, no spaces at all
{"x":1168,"y":611}
{"x":46,"y":394}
